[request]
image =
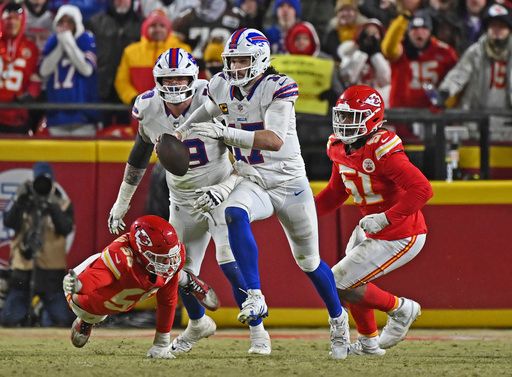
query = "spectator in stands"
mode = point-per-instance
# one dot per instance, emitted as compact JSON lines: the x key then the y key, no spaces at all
{"x":417,"y":58}
{"x":483,"y":76}
{"x":135,"y":73}
{"x":383,"y":10}
{"x":88,"y":8}
{"x":18,"y":71}
{"x":212,"y":21}
{"x":318,"y":13}
{"x":114,"y":29}
{"x":254,"y":13}
{"x":69,"y":67}
{"x":39,"y":24}
{"x":472,"y":13}
{"x":171,"y":8}
{"x":287,"y":13}
{"x":302,"y":39}
{"x":343,"y":27}
{"x":41,"y":217}
{"x":362,"y":61}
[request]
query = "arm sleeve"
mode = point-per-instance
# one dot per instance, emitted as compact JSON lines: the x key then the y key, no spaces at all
{"x":333,"y":195}
{"x":76,"y":55}
{"x":166,"y":298}
{"x":13,"y":217}
{"x":62,"y":219}
{"x":391,"y":45}
{"x":123,"y":84}
{"x":416,"y":186}
{"x":277,"y":117}
{"x":458,"y":77}
{"x":140,"y":153}
{"x":382,"y":69}
{"x":50,"y":61}
{"x":94,"y":277}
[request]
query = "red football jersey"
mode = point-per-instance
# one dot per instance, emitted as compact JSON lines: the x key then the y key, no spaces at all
{"x":116,"y":281}
{"x":18,"y":75}
{"x":380,"y":178}
{"x":408,"y":76}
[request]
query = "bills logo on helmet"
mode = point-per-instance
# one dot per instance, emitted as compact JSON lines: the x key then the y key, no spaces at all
{"x":373,"y":100}
{"x":257,"y":39}
{"x":142,"y":238}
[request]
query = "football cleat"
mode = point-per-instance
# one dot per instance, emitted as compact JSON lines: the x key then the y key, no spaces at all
{"x":260,"y":343}
{"x":201,"y":291}
{"x":80,"y":332}
{"x":399,"y":322}
{"x":202,"y":328}
{"x":365,"y":346}
{"x":340,"y":336}
{"x":253,"y":307}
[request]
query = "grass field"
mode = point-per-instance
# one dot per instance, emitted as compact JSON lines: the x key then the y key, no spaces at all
{"x":48,"y":352}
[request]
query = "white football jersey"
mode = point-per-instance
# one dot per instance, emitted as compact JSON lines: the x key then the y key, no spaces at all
{"x":209,"y":160}
{"x":248,"y":113}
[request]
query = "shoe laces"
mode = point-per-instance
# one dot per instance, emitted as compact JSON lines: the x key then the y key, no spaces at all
{"x":195,"y":286}
{"x":85,"y":328}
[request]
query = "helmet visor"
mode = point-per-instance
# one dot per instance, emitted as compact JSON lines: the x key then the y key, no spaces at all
{"x":349,"y":124}
{"x":164,"y":265}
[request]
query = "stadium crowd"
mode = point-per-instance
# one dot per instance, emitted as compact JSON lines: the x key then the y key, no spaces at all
{"x":417,"y":53}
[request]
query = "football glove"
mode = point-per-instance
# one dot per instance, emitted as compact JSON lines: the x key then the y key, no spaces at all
{"x":374,"y":223}
{"x":213,"y":196}
{"x":230,"y":135}
{"x":71,"y":284}
{"x":115,"y":220}
{"x":161,"y":348}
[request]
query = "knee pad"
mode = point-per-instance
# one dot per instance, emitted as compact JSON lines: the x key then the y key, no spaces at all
{"x":307,"y":263}
{"x":224,"y":254}
{"x":236,"y":215}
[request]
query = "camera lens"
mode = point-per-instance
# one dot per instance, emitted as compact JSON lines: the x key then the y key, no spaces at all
{"x":42,"y":185}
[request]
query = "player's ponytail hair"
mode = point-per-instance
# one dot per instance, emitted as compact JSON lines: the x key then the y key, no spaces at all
{"x":271,"y":71}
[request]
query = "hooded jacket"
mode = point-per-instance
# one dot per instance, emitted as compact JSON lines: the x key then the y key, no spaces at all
{"x":135,"y":72}
{"x":19,"y":72}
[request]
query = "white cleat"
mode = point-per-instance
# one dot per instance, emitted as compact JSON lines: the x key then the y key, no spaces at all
{"x":340,"y":336}
{"x":399,"y":322}
{"x":260,"y":343}
{"x":195,"y":331}
{"x":80,"y":332}
{"x":253,"y":307}
{"x":365,"y":346}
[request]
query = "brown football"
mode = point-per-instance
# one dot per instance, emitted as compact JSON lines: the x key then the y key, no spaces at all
{"x":173,"y":154}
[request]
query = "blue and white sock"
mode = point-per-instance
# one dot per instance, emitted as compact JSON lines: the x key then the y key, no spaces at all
{"x":194,"y":309}
{"x":323,"y":279}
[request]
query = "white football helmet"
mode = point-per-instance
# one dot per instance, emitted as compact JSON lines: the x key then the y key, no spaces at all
{"x":246,"y":43}
{"x":175,"y":62}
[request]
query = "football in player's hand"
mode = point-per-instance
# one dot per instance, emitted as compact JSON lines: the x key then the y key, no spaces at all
{"x":173,"y":154}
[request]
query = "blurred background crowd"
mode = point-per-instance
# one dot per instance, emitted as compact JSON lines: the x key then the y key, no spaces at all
{"x":427,"y":54}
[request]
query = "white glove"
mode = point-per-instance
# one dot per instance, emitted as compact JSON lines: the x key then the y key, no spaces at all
{"x":213,"y":196}
{"x":374,"y":223}
{"x":115,"y":220}
{"x":230,"y":135}
{"x":71,"y":284}
{"x":161,"y":348}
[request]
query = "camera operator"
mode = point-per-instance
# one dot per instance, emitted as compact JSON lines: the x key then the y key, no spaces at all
{"x":41,"y":218}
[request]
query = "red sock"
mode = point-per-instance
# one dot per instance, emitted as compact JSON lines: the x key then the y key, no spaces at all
{"x":365,"y":320}
{"x":376,"y":298}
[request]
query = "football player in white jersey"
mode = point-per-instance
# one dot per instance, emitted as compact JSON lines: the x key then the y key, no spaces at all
{"x":176,"y":95}
{"x":257,"y":106}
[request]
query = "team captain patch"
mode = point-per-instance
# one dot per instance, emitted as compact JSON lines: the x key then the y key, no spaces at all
{"x":224,"y":108}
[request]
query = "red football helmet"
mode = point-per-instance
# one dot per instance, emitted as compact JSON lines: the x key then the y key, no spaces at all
{"x":358,"y":112}
{"x":155,"y":240}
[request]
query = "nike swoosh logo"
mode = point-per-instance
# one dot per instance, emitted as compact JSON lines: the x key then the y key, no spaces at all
{"x":117,"y":259}
{"x":297,"y":193}
{"x":386,"y":139}
{"x":282,"y":82}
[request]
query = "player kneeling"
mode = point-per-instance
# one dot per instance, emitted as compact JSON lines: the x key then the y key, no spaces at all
{"x":134,"y":267}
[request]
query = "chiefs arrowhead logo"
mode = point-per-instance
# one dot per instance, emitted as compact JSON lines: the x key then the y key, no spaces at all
{"x":142,"y":238}
{"x":373,"y":100}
